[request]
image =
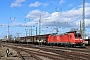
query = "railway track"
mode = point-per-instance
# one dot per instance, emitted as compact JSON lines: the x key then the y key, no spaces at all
{"x":69,"y":53}
{"x":87,"y":49}
{"x":42,"y":54}
{"x":27,"y":56}
{"x":22,"y":58}
{"x":58,"y":53}
{"x":80,"y":53}
{"x":81,"y":50}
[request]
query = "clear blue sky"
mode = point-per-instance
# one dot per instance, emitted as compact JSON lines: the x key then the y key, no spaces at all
{"x":64,"y":14}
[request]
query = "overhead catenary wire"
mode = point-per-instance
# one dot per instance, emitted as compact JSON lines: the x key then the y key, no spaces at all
{"x":18,"y":9}
{"x":60,"y":10}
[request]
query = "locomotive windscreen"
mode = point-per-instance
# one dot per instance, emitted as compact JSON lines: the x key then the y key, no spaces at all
{"x":78,"y":35}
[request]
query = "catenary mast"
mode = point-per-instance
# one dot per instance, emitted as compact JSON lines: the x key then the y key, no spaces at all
{"x":83,"y":21}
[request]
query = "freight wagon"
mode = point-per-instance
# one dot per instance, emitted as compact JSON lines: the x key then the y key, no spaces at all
{"x":34,"y":39}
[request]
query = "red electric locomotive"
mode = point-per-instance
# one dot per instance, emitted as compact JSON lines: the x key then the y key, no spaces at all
{"x":68,"y":39}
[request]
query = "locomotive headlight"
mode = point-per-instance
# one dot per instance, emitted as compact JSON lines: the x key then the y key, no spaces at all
{"x":80,"y":39}
{"x":76,"y":39}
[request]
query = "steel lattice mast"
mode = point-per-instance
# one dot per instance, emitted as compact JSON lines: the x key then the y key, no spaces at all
{"x":83,"y":20}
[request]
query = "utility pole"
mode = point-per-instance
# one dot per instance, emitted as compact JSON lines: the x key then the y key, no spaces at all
{"x":81,"y":27}
{"x":83,"y":21}
{"x":26,"y":32}
{"x":26,"y":35}
{"x":31,"y":30}
{"x":18,"y":37}
{"x":40,"y":24}
{"x":8,"y":30}
{"x":40,"y":28}
{"x":36,"y":33}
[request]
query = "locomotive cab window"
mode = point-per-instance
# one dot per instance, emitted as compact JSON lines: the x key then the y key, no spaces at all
{"x":77,"y":35}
